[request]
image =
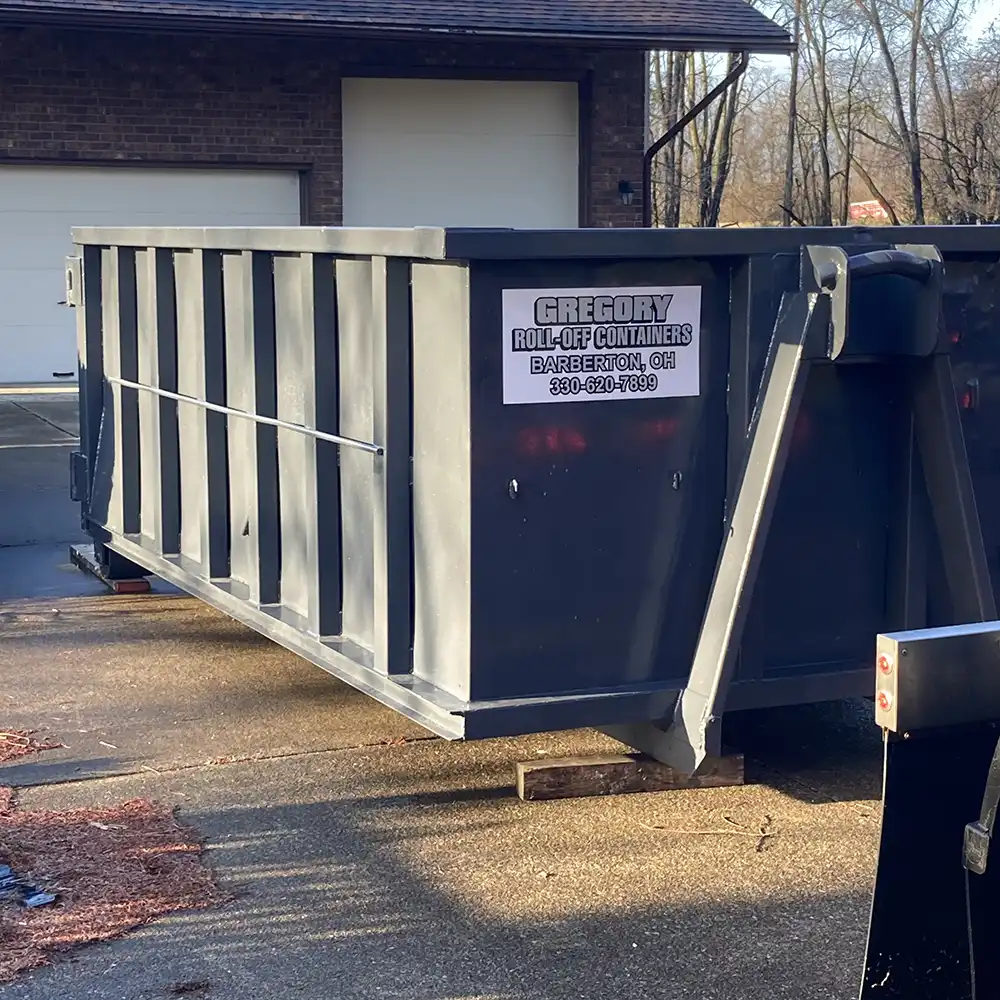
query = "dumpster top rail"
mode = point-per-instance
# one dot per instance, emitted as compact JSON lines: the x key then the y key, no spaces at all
{"x":414,"y":243}
{"x":509,"y":244}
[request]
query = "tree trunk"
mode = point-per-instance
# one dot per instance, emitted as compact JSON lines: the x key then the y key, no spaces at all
{"x":787,"y":207}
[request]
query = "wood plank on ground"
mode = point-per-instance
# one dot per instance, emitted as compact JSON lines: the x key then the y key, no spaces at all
{"x":617,"y":774}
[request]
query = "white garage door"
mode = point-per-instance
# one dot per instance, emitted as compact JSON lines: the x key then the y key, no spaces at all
{"x":461,"y":153}
{"x":39,"y":205}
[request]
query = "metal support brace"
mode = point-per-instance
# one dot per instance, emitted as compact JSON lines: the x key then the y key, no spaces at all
{"x":814,"y":324}
{"x":802,"y":322}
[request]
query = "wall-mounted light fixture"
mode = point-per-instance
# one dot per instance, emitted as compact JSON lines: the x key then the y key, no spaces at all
{"x":626,"y":192}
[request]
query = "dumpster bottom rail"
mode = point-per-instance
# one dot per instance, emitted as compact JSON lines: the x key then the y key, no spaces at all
{"x":452,"y":719}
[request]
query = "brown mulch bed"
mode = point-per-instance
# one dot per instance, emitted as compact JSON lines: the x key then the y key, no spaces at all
{"x":15,"y":743}
{"x":114,"y":869}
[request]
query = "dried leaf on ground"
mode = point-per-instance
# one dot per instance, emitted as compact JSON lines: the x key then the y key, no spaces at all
{"x":115,"y":868}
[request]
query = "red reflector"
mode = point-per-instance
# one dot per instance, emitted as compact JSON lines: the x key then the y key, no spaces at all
{"x":529,"y":442}
{"x":662,"y":429}
{"x":885,"y":663}
{"x":884,"y":701}
{"x":551,"y":441}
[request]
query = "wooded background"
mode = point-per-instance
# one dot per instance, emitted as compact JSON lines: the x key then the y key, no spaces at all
{"x":892,"y":106}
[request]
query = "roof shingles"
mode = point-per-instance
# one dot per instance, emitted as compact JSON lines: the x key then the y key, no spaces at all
{"x":706,"y":24}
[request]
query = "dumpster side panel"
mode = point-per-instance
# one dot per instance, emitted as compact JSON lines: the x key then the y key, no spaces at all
{"x":822,"y":593}
{"x":442,"y":526}
{"x":826,"y":556}
{"x":830,"y":555}
{"x":593,"y":573}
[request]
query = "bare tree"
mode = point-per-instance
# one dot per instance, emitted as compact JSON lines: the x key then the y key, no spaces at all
{"x":887,"y":101}
{"x":691,"y":176}
{"x":790,"y":137}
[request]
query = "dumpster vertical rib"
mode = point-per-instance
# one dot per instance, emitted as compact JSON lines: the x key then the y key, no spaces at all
{"x":391,"y":425}
{"x":251,"y":386}
{"x":258,"y":299}
{"x":949,"y":485}
{"x":90,"y":358}
{"x":906,"y":587}
{"x":325,"y":617}
{"x":744,"y":282}
{"x":310,"y":518}
{"x":239,"y":394}
{"x":216,"y":435}
{"x":157,"y":366}
{"x":354,"y":378}
{"x":166,"y":347}
{"x":119,"y":444}
{"x":296,"y":474}
{"x":296,"y":452}
{"x":200,"y":328}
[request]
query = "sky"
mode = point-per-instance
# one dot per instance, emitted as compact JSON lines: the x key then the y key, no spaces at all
{"x":987,"y":12}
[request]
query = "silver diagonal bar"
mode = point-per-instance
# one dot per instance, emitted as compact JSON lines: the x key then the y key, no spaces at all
{"x":229,"y":411}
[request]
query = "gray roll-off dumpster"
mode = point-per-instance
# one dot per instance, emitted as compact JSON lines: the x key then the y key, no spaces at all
{"x":489,"y":477}
{"x":508,"y":481}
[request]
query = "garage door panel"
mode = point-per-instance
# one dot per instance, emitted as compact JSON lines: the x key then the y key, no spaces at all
{"x":450,"y":156}
{"x":467,"y":107}
{"x":32,"y":296}
{"x":34,"y":353}
{"x":40,"y":205}
{"x":128,"y":188}
{"x":461,"y":153}
{"x":452,"y":192}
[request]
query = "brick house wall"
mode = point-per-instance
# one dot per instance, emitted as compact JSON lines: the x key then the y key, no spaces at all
{"x":103,"y":97}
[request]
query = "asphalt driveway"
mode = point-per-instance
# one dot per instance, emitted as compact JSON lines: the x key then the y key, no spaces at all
{"x":372,"y":860}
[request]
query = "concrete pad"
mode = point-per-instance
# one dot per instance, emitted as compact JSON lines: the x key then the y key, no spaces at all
{"x":19,"y":425}
{"x":36,"y":437}
{"x":43,"y":572}
{"x":164,"y":681}
{"x":60,"y":411}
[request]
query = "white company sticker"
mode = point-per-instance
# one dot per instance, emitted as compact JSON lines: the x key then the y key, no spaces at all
{"x":565,"y":345}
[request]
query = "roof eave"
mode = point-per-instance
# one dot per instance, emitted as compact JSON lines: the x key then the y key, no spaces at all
{"x":58,"y":16}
